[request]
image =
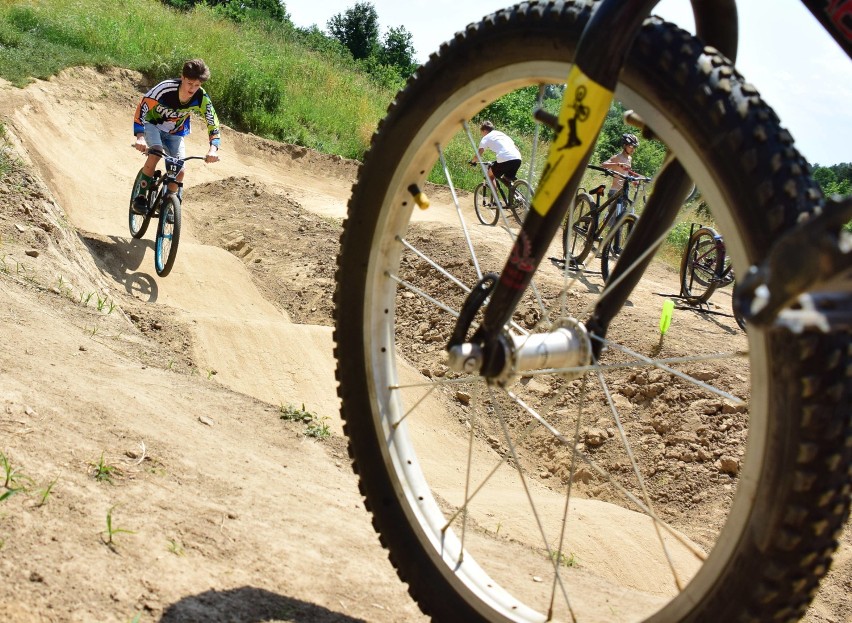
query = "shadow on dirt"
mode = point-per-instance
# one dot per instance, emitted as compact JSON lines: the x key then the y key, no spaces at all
{"x":581,"y":274}
{"x":249,"y":605}
{"x":121,"y":258}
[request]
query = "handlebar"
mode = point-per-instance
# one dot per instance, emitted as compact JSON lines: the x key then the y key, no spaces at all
{"x":632,"y":177}
{"x":168,"y":158}
{"x":173,"y":159}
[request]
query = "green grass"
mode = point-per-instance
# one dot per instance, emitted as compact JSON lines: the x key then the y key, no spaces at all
{"x":104,"y":472}
{"x":263,"y":79}
{"x":111,"y":530}
{"x":13,"y":480}
{"x":315,"y":426}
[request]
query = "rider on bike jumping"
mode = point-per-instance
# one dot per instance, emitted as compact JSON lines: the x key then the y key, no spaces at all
{"x":162,"y":120}
{"x":508,"y":158}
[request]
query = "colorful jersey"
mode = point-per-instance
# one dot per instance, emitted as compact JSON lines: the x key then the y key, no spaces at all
{"x":161,"y":107}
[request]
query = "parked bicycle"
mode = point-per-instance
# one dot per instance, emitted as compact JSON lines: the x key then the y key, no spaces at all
{"x":516,"y":195}
{"x":478,"y":460}
{"x":609,"y":223}
{"x":705,"y":266}
{"x":165,"y":205}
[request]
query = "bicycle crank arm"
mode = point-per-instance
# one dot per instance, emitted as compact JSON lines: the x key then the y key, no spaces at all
{"x":812,"y":280}
{"x":565,"y":348}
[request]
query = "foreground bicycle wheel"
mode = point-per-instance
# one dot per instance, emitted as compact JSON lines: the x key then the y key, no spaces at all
{"x":613,"y":492}
{"x":168,"y":235}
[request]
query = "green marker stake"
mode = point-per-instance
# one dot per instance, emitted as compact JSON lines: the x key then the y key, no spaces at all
{"x":666,"y":316}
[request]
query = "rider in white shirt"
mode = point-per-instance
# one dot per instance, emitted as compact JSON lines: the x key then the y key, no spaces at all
{"x":508,"y":158}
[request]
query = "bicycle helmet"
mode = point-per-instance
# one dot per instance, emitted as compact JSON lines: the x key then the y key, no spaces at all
{"x":629,"y":139}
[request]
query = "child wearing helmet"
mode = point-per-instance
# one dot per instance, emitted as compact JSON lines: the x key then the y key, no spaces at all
{"x":621,"y":162}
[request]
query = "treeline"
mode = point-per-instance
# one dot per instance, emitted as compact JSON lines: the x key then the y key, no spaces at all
{"x":353,"y":34}
{"x":835,"y":179}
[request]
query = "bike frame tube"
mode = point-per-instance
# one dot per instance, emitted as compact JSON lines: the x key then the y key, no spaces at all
{"x":836,"y":17}
{"x":591,"y":83}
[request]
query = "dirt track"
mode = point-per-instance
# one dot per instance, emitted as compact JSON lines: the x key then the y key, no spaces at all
{"x":234,"y":514}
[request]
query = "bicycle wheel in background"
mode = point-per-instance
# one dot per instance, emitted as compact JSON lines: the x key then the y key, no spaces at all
{"x":481,"y":488}
{"x":486,"y":207}
{"x":615,"y":245}
{"x":741,"y":323}
{"x":521,"y":199}
{"x":168,"y":235}
{"x":578,"y":242}
{"x":701,"y":266}
{"x":138,"y":222}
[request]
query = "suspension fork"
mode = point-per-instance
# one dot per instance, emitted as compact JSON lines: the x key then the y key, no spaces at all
{"x":588,"y":96}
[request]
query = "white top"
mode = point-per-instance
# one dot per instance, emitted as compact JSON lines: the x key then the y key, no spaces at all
{"x":501,"y":145}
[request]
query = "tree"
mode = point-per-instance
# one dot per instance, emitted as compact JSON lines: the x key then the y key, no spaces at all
{"x":835,"y":179}
{"x":398,"y":51}
{"x":357,"y":29}
{"x":239,"y":10}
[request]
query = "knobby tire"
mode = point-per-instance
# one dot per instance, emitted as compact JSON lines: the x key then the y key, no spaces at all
{"x":168,"y":236}
{"x":138,"y":222}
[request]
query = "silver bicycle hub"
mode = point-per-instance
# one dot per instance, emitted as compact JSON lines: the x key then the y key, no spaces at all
{"x":566,"y":346}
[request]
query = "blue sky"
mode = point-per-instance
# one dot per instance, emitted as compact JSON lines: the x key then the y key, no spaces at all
{"x":799,"y":71}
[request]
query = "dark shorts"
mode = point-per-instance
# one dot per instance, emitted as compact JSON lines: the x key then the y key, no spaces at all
{"x":507,"y":169}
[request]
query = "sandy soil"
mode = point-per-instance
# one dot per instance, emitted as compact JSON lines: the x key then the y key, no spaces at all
{"x":171,"y":389}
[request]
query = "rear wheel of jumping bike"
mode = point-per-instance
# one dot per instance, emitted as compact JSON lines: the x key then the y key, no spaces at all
{"x":578,"y":233}
{"x":615,"y":245}
{"x":139,"y":222}
{"x":485,"y":205}
{"x":592,"y":493}
{"x":168,"y":235}
{"x":702,"y":266}
{"x":521,"y":199}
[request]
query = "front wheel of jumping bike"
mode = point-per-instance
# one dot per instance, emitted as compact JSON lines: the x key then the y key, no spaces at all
{"x":605,"y":489}
{"x":168,"y":235}
{"x":139,"y":222}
